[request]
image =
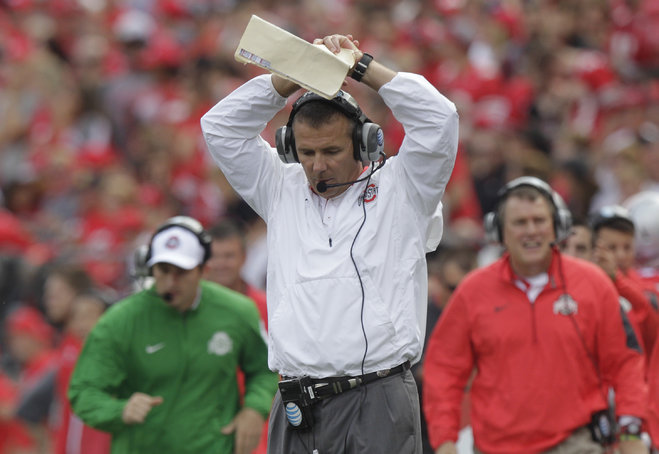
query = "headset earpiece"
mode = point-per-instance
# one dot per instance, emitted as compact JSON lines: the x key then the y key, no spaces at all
{"x":562,"y":217}
{"x":490,"y":225}
{"x":285,"y":145}
{"x":371,"y":143}
{"x":186,"y":222}
{"x":367,"y":137}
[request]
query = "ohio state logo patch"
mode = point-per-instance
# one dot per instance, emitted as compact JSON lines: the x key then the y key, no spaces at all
{"x":220,"y":344}
{"x":565,"y":305}
{"x":370,"y":194}
{"x":172,"y":243}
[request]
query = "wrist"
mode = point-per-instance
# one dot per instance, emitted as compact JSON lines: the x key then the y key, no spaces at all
{"x":361,"y":66}
{"x":630,"y":427}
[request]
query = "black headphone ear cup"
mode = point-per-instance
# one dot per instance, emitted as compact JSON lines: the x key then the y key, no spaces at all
{"x":492,"y":228}
{"x":285,"y":146}
{"x":563,"y":219}
{"x":562,"y":216}
{"x":205,"y":240}
{"x":371,"y":143}
{"x":140,"y":259}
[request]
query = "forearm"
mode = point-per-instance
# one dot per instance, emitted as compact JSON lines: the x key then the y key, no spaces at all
{"x":260,"y":391}
{"x":232,"y":131}
{"x":245,"y":112}
{"x":447,"y":367}
{"x":97,"y":408}
{"x":620,"y":361}
{"x":99,"y":374}
{"x":377,"y":75}
{"x":430,"y":146}
{"x":629,"y":290}
{"x":284,"y":87}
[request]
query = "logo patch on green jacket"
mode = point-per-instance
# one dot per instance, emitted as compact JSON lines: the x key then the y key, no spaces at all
{"x":220,"y":344}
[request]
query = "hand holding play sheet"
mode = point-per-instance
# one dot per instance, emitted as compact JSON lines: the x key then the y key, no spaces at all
{"x":311,"y":66}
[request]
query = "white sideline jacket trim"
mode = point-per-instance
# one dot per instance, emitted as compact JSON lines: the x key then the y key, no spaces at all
{"x":314,"y":294}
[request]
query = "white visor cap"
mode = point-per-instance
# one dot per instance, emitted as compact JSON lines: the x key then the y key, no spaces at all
{"x":177,"y":246}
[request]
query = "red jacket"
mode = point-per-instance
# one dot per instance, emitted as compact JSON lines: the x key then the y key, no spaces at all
{"x":536,"y":381}
{"x":630,"y":287}
{"x":72,"y":436}
{"x":653,"y":382}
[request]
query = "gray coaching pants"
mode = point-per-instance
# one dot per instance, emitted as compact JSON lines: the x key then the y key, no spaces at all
{"x":381,"y":417}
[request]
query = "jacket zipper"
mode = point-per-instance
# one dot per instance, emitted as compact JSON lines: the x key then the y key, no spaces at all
{"x":533,"y":324}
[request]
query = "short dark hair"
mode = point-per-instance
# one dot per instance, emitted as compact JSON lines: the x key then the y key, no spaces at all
{"x":74,"y":276}
{"x":618,"y":224}
{"x":524,"y":192}
{"x":105,"y":297}
{"x":465,"y":257}
{"x":229,"y":228}
{"x":316,"y":113}
{"x":613,"y":217}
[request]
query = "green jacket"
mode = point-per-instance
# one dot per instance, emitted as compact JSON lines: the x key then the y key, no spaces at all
{"x":190,"y":359}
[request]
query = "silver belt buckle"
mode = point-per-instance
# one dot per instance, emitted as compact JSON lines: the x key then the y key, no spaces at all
{"x":383,"y":373}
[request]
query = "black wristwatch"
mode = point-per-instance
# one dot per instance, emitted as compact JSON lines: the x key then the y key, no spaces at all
{"x":360,"y":68}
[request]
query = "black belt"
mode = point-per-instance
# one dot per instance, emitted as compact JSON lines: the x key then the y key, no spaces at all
{"x":331,"y":386}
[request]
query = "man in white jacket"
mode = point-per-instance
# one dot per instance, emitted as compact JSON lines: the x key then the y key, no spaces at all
{"x":347,"y":280}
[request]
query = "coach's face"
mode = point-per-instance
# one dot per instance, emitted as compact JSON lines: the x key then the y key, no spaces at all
{"x":528,"y":233}
{"x":177,"y":286}
{"x":326,"y":153}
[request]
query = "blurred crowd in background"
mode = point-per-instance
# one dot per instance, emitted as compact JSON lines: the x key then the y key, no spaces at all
{"x":100,"y":102}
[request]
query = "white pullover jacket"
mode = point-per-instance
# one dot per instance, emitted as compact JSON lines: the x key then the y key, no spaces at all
{"x":323,"y":315}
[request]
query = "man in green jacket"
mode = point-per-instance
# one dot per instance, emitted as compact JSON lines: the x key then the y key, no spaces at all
{"x":158,"y":371}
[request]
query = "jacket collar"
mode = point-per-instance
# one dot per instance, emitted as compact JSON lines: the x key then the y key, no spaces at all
{"x":554,"y":271}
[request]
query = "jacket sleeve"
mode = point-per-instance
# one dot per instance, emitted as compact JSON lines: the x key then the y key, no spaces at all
{"x":448,"y":364}
{"x":644,"y":313}
{"x":97,"y":377}
{"x":620,"y":360}
{"x":260,"y":382}
{"x":231,"y":130}
{"x":653,"y":381}
{"x":427,"y":155}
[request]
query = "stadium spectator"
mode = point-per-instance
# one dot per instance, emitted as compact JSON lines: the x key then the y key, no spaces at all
{"x":614,"y":251}
{"x":229,"y":247}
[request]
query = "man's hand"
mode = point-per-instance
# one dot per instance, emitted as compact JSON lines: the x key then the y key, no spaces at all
{"x":375,"y":76}
{"x":605,"y":259}
{"x":337,"y":42}
{"x":138,"y":407}
{"x":447,"y":447}
{"x":247,"y":425}
{"x":633,"y":447}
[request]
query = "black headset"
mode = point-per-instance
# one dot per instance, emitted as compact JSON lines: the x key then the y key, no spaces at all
{"x":367,"y":137}
{"x":609,"y":214}
{"x":186,"y":223}
{"x":562,"y":216}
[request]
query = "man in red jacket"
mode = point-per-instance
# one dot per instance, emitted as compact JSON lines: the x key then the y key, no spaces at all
{"x":229,"y":247}
{"x":613,"y":237}
{"x":544,"y":332}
